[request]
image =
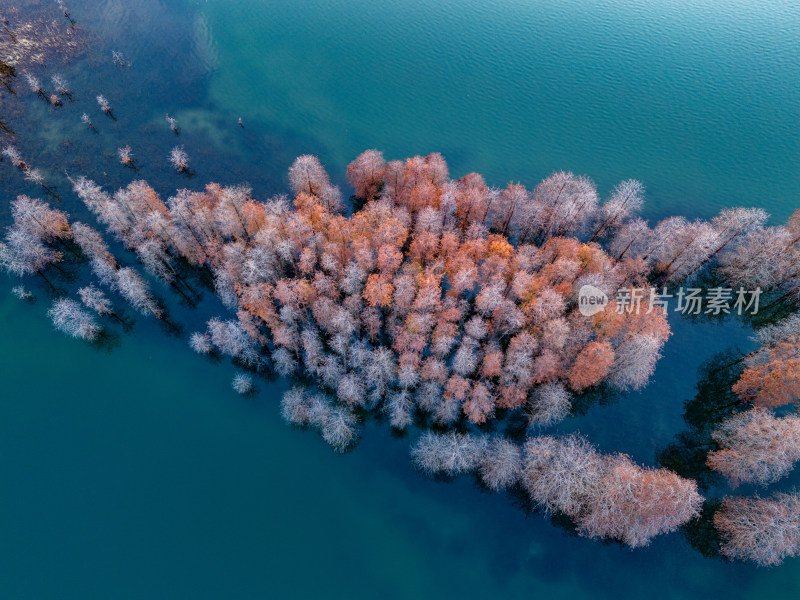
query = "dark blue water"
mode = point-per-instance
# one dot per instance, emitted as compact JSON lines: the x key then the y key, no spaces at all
{"x":135,"y":471}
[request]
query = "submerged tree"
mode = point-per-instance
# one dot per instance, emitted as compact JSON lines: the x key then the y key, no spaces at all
{"x":242,"y":384}
{"x":450,"y":453}
{"x":104,"y":105}
{"x":94,"y":299}
{"x":34,"y":84}
{"x":60,"y":85}
{"x":608,"y":496}
{"x":763,"y":530}
{"x":68,"y":317}
{"x":756,"y":447}
{"x":21,"y":293}
{"x":125,"y":155}
{"x":179,"y":159}
{"x":772,"y":373}
{"x":173,"y":124}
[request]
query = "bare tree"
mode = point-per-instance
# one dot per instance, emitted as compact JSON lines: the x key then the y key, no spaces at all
{"x":68,"y":317}
{"x":94,"y":299}
{"x":173,"y":124}
{"x":135,"y":290}
{"x":550,"y":404}
{"x":450,"y":453}
{"x":179,"y":159}
{"x":756,"y":447}
{"x":562,"y":473}
{"x":125,"y":155}
{"x":500,"y":464}
{"x":626,"y":199}
{"x":242,"y":384}
{"x":762,"y":530}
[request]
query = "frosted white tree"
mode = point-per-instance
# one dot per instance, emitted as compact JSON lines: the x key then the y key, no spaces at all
{"x":339,"y":428}
{"x":179,"y":159}
{"x":626,"y":199}
{"x":500,"y":464}
{"x":103,"y":103}
{"x":635,"y":361}
{"x":21,"y":293}
{"x":451,"y":453}
{"x":135,"y":290}
{"x":200,"y":342}
{"x":68,"y":317}
{"x":242,"y":384}
{"x":550,"y":404}
{"x":295,"y":407}
{"x":94,"y":299}
{"x":561,"y":473}
{"x":307,"y":175}
{"x":25,"y":254}
{"x":230,"y":338}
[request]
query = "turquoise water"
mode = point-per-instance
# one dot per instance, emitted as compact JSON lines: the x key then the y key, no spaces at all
{"x":135,"y":472}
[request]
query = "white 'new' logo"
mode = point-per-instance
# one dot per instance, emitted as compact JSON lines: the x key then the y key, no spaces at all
{"x":591,"y":300}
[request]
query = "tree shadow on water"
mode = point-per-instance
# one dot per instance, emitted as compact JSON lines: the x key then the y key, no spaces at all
{"x":714,"y":402}
{"x":701,"y":533}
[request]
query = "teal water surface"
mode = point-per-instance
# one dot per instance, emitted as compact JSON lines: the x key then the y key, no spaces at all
{"x":134,"y":471}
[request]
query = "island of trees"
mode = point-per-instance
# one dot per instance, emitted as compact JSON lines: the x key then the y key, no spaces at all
{"x":447,"y":305}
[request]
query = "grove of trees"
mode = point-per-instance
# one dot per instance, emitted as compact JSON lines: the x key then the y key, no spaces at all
{"x":449,"y":304}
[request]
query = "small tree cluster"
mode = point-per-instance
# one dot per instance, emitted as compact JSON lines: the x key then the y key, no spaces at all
{"x":762,"y":530}
{"x":756,"y":447}
{"x":31,"y":174}
{"x":766,"y":257}
{"x":337,"y":424}
{"x":772,"y":373}
{"x":450,"y":453}
{"x":607,"y":496}
{"x":231,"y":339}
{"x":137,"y":217}
{"x":124,"y":280}
{"x":29,"y":243}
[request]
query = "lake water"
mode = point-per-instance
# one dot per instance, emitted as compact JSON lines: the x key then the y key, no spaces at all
{"x":135,"y":471}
